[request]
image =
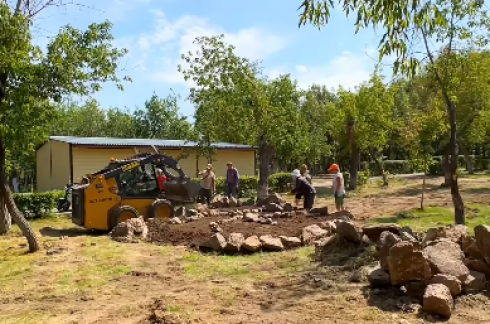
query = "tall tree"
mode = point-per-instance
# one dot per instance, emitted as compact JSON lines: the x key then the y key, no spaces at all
{"x":458,"y":24}
{"x":236,"y":103}
{"x":160,"y":119}
{"x":75,"y":62}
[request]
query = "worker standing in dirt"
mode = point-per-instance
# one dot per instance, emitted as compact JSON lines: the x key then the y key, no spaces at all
{"x":208,"y":185}
{"x":338,"y":187}
{"x":232,"y":181}
{"x":305,"y":189}
{"x":304,"y":173}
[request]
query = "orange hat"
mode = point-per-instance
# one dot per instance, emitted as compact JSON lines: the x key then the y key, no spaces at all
{"x":333,"y":167}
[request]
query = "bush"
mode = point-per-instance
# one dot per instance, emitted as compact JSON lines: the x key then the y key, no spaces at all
{"x":38,"y":204}
{"x":363,"y":177}
{"x":279,"y":182}
{"x":390,"y":166}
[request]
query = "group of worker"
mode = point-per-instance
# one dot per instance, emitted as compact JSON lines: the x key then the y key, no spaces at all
{"x":208,"y":183}
{"x":302,"y":186}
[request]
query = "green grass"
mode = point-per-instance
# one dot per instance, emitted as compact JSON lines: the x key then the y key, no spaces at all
{"x":421,"y":220}
{"x":258,"y":266}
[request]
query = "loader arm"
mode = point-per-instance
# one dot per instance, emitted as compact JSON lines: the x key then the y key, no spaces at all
{"x":160,"y":160}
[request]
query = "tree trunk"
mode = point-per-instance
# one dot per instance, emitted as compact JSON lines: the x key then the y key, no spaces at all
{"x":8,"y":199}
{"x":459,"y":216}
{"x":447,"y":169}
{"x":354,"y":166}
{"x":423,"y":191}
{"x":5,"y":219}
{"x":266,"y":153}
{"x":467,"y":158}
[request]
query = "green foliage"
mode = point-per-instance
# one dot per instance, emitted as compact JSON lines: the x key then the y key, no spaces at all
{"x":161,"y":119}
{"x":390,"y":166}
{"x":363,"y":177}
{"x":280,"y":182}
{"x":38,"y":204}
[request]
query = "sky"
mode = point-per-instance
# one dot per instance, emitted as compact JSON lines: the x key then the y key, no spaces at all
{"x":156,"y":32}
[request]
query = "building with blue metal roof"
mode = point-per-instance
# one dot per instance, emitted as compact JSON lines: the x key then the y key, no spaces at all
{"x":65,"y":159}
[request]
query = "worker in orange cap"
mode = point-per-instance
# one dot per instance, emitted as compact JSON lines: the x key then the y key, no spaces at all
{"x":338,"y":187}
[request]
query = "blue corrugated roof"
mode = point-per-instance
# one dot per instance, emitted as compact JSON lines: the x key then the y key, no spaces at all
{"x":108,"y":141}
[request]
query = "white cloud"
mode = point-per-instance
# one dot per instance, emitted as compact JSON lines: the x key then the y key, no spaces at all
{"x":169,"y":38}
{"x":301,"y":68}
{"x":348,"y":70}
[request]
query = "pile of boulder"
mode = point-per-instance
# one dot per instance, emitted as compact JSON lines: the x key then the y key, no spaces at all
{"x":313,"y":235}
{"x":434,"y":267}
{"x":133,"y":230}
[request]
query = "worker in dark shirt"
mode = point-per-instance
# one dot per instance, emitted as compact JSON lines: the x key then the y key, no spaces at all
{"x":306,"y":189}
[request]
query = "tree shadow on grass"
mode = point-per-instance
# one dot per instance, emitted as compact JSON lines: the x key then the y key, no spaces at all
{"x":69,"y":232}
{"x":411,"y":191}
{"x":481,"y":190}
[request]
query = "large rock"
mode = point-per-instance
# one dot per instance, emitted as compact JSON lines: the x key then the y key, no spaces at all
{"x":405,"y":236}
{"x":216,"y":242}
{"x":234,"y":242}
{"x":272,"y":207}
{"x":290,"y":241}
{"x":251,"y":217}
{"x":312,"y":233}
{"x":432,"y":234}
{"x":374,"y":231}
{"x":470,"y":247}
{"x":449,"y":281}
{"x":325,"y":241}
{"x":478,"y":265}
{"x":386,"y":241}
{"x":456,"y":233}
{"x":446,"y":257}
{"x":131,"y":231}
{"x":252,"y":244}
{"x":328,"y":226}
{"x":474,"y":283}
{"x":348,"y":231}
{"x":438,"y":300}
{"x":271,"y":243}
{"x":274,"y":198}
{"x":378,"y":277}
{"x":482,"y":236}
{"x":406,"y":263}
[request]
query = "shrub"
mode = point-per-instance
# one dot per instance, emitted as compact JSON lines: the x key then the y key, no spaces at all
{"x":38,"y":204}
{"x":279,"y":182}
{"x":362,"y":178}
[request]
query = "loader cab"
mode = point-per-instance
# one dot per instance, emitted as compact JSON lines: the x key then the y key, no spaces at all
{"x":139,"y":182}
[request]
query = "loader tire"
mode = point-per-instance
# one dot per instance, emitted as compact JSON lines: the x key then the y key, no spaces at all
{"x":162,"y":208}
{"x":122,"y":214}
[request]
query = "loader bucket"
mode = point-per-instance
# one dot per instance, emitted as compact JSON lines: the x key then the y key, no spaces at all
{"x":181,"y":190}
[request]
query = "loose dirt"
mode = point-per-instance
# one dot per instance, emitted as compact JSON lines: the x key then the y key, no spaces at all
{"x":196,"y":232}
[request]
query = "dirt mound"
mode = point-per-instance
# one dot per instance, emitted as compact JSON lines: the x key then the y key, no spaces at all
{"x":196,"y":232}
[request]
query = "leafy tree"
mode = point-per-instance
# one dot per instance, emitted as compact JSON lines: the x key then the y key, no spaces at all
{"x":235,"y":103}
{"x":75,"y":62}
{"x":459,"y":25}
{"x":160,"y":119}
